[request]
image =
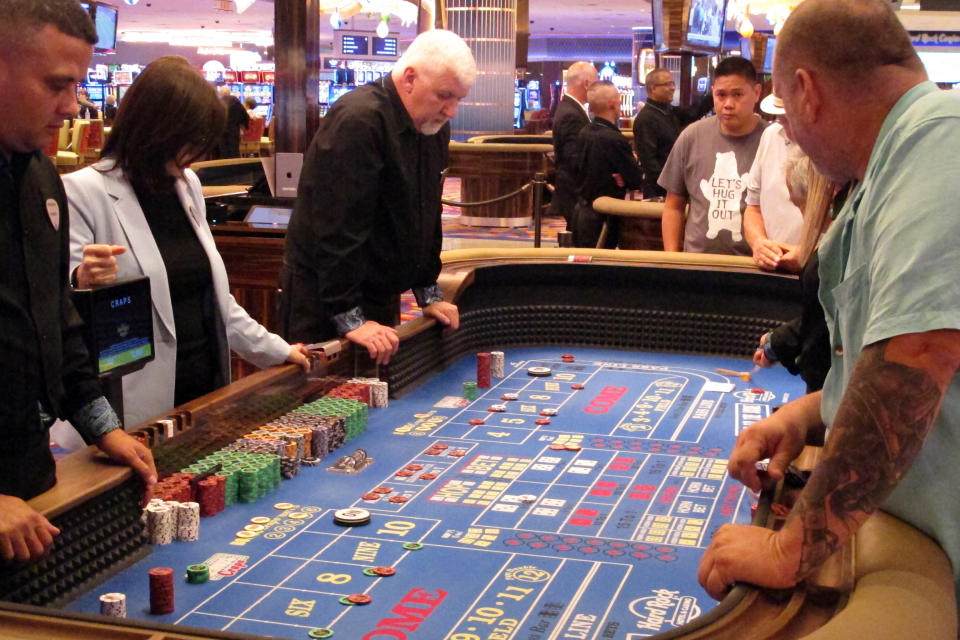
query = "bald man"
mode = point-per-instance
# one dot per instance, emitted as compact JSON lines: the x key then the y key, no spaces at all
{"x":570,"y":117}
{"x":605,"y":167}
{"x":859,"y":103}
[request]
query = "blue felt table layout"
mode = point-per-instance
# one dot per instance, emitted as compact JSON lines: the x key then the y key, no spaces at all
{"x":520,"y":541}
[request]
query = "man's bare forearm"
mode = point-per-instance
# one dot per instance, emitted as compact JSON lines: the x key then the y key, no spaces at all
{"x":887,"y":411}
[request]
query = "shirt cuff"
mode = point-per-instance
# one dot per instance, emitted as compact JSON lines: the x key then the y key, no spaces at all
{"x":95,"y":419}
{"x":428,"y":295}
{"x":768,"y":350}
{"x":348,"y":320}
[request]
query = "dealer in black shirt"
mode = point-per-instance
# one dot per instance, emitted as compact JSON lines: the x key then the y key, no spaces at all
{"x":658,"y":125}
{"x":366,"y":224}
{"x":46,"y":371}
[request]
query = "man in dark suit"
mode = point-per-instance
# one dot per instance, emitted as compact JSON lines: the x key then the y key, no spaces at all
{"x":570,"y":117}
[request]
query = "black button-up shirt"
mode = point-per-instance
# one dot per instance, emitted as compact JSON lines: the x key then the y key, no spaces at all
{"x":366,"y":225}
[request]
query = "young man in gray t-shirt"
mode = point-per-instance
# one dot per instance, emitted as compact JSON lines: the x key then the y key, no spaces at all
{"x":708,"y":167}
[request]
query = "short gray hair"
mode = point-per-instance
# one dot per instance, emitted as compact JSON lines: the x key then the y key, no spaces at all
{"x":846,"y":39}
{"x":439,"y":51}
{"x":23,"y":18}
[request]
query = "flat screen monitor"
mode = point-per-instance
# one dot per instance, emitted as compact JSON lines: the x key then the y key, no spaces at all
{"x":266,"y":216}
{"x":118,"y":329}
{"x":105,"y":19}
{"x":745,"y":48}
{"x":385,"y":47}
{"x":705,"y":21}
{"x":768,"y":56}
{"x":656,"y":19}
{"x":354,"y":45}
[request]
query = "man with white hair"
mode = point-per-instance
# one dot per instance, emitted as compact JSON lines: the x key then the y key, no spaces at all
{"x":366,"y":224}
{"x":858,"y":101}
{"x":570,"y":117}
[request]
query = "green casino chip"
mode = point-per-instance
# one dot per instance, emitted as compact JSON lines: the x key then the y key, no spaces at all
{"x":413,"y":546}
{"x":320,"y":632}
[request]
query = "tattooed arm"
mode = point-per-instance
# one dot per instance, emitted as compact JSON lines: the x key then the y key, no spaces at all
{"x":888,"y":408}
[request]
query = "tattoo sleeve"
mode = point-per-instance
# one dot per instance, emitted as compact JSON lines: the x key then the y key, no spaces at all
{"x":887,"y":410}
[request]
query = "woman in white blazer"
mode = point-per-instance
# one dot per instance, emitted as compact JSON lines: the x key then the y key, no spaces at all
{"x":140,"y":211}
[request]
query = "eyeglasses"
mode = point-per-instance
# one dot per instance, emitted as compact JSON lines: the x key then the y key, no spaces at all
{"x":665,"y":84}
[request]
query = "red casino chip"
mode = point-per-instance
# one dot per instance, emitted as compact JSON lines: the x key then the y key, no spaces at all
{"x":542,"y":420}
{"x":572,"y":447}
{"x":558,"y":447}
{"x":384,"y":571}
{"x":427,"y":476}
{"x":359,"y":598}
{"x":371,"y":497}
{"x":457,"y":454}
{"x":382,"y":490}
{"x":403,"y":474}
{"x":433,"y":452}
{"x":577,"y":386}
{"x":441,"y":446}
{"x":414,"y":467}
{"x":757,"y":390}
{"x":475,"y":421}
{"x":398,"y":499}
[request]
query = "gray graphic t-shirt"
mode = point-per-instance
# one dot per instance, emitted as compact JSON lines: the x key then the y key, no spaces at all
{"x":710,"y":170}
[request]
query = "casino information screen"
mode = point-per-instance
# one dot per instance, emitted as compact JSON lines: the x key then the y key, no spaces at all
{"x":575,"y":504}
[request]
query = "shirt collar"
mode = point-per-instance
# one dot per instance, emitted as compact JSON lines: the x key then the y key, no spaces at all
{"x":905,"y":102}
{"x":582,"y":105}
{"x":603,"y":122}
{"x":406,"y":121}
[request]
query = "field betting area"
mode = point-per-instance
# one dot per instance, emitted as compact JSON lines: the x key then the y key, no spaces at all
{"x":597,"y":539}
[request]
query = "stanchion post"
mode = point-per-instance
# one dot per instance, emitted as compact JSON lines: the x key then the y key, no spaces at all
{"x":539,"y":184}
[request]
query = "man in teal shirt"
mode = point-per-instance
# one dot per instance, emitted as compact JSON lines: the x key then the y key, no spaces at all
{"x":859,"y":103}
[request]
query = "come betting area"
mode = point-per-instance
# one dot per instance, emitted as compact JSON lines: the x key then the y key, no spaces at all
{"x":572,"y":498}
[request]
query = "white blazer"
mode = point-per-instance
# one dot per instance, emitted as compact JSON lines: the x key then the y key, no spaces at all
{"x":104,"y":210}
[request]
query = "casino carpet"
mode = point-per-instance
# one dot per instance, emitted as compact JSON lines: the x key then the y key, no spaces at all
{"x":463,"y":235}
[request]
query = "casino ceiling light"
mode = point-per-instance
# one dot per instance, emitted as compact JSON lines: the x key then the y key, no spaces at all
{"x":774,"y":11}
{"x":243,"y":5}
{"x":199,"y":37}
{"x":341,"y":10}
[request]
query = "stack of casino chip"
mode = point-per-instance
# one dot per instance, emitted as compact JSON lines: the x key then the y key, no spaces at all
{"x":113,"y":605}
{"x":198,"y":574}
{"x":496,"y":364}
{"x":161,"y":523}
{"x":161,"y":591}
{"x":379,"y":391}
{"x":470,"y":390}
{"x":211,"y":497}
{"x":352,"y":391}
{"x":352,"y":411}
{"x":289,"y":467}
{"x":188,"y":521}
{"x":175,"y":487}
{"x":483,"y":370}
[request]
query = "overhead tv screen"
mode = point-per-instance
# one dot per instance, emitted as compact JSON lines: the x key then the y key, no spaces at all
{"x":353,"y":45}
{"x":105,"y":19}
{"x":386,"y":47}
{"x":705,"y":25}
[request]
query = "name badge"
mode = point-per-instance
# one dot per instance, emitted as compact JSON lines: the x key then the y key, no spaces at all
{"x":53,"y":212}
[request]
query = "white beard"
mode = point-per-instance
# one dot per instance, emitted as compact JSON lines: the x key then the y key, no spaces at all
{"x":433,"y":126}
